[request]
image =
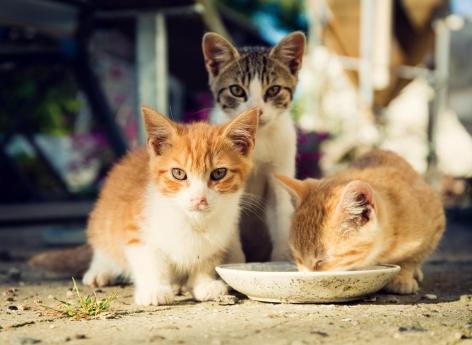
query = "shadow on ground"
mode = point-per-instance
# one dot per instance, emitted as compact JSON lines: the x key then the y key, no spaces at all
{"x":441,"y":313}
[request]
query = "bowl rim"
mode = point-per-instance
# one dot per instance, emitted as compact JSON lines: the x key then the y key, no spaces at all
{"x":379,"y":268}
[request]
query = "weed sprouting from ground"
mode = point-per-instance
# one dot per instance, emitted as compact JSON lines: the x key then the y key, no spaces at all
{"x":86,"y":307}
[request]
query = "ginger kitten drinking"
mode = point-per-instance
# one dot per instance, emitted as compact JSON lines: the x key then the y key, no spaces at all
{"x":169,"y":212}
{"x":377,"y":211}
{"x":241,"y":78}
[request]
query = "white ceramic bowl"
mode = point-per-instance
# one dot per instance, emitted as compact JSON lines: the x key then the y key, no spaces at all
{"x":281,"y":282}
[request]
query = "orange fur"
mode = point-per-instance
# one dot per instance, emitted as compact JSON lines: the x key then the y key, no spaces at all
{"x":377,"y":211}
{"x":71,"y":262}
{"x":116,"y":221}
{"x":196,"y":148}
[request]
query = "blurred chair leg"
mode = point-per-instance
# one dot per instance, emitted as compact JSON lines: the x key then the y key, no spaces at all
{"x":152,"y":74}
{"x":439,"y":103}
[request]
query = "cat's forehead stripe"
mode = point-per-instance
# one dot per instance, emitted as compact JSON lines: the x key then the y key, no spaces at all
{"x":255,"y":64}
{"x":198,"y":153}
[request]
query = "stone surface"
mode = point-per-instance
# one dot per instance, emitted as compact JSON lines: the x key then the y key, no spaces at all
{"x":380,"y":319}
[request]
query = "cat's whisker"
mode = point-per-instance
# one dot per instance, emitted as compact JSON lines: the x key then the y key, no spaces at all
{"x":201,"y":110}
{"x":252,"y":207}
{"x":252,"y":201}
{"x":251,"y":213}
{"x":252,"y":197}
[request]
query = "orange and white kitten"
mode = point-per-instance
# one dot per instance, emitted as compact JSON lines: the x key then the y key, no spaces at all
{"x":169,"y":212}
{"x":377,"y":211}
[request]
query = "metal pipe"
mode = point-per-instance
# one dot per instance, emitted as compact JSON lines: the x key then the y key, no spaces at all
{"x":366,"y":52}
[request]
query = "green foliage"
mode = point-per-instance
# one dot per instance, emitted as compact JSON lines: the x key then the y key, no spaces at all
{"x":286,"y":12}
{"x":86,"y":307}
{"x":42,"y":96}
{"x":296,"y":110}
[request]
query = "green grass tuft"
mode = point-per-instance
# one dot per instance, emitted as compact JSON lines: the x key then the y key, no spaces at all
{"x":86,"y":307}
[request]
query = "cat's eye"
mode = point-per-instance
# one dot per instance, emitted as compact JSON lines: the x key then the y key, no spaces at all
{"x":273,"y":91}
{"x":179,"y":174}
{"x":237,"y":91}
{"x":218,"y":174}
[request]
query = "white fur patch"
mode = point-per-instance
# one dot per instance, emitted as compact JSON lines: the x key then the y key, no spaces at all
{"x":103,"y":271}
{"x":152,"y":275}
{"x":256,"y":94}
{"x":189,"y":237}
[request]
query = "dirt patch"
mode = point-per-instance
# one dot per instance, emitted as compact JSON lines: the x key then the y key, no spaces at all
{"x":441,"y":313}
{"x":381,"y":318}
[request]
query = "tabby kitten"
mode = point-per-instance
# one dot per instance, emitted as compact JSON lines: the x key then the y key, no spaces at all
{"x":266,"y":78}
{"x":377,"y":211}
{"x":169,"y":212}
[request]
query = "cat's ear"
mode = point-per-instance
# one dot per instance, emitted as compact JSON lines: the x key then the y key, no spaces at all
{"x":159,"y":129}
{"x":357,"y":203}
{"x":242,"y":130}
{"x":297,"y":189}
{"x":218,"y":52}
{"x":290,"y":51}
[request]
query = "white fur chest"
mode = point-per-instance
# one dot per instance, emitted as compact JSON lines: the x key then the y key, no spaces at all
{"x":186,"y":241}
{"x":276,"y":143}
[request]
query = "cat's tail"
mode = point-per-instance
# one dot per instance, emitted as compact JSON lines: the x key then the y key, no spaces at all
{"x":73,"y":261}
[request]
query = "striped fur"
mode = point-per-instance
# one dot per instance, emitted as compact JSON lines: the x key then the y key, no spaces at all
{"x":271,"y":67}
{"x":265,"y":78}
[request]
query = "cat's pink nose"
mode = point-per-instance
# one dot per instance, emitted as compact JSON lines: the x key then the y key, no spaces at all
{"x":199,"y":203}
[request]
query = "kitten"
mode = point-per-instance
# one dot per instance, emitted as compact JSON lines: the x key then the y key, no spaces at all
{"x":263,"y":77}
{"x":170,"y":211}
{"x":377,"y":211}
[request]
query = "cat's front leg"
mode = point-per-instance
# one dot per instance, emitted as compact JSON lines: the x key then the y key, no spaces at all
{"x":102,"y":271}
{"x":204,"y":285}
{"x":152,"y":275}
{"x":279,"y":211}
{"x":406,"y":281}
{"x":235,"y":252}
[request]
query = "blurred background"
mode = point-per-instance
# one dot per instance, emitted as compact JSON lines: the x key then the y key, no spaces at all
{"x":73,"y":73}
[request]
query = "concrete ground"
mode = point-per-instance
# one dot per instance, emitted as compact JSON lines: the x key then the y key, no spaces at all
{"x":441,"y":313}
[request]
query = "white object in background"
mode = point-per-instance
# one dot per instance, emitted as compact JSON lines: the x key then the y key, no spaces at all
{"x":453,"y":146}
{"x":330,"y":103}
{"x":406,"y":123}
{"x":151,"y":52}
{"x":64,"y":155}
{"x":406,"y":132}
{"x":375,"y":41}
{"x":382,"y":44}
{"x":366,"y":51}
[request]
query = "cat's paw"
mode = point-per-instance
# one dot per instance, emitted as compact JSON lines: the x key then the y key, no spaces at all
{"x":209,"y":290}
{"x":97,"y":279}
{"x":176,"y":289}
{"x":403,"y":285}
{"x":157,"y":295}
{"x":179,"y":289}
